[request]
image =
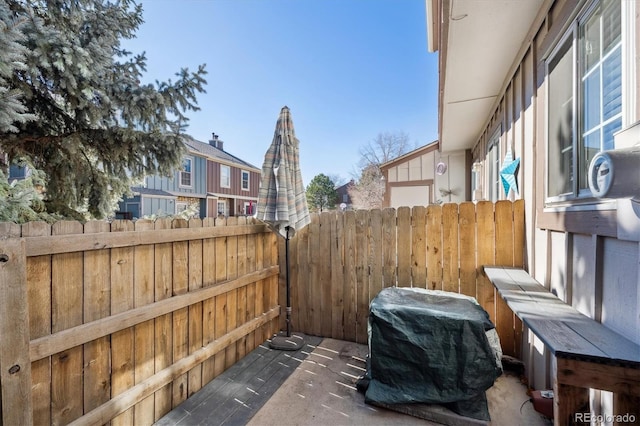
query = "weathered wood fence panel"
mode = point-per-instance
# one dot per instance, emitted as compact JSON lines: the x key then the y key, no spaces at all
{"x":434,"y":247}
{"x":120,"y":322}
{"x":127,"y":320}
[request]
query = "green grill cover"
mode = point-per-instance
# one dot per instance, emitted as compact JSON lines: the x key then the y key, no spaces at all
{"x":430,"y":347}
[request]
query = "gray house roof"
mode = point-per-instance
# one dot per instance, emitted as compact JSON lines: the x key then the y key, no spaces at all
{"x":147,"y":191}
{"x":208,"y":150}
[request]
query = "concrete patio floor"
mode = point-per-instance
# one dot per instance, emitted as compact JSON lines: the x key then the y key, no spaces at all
{"x":316,"y":385}
{"x":322,"y":391}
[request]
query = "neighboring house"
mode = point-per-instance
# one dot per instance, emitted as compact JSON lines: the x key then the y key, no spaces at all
{"x":232,"y":183}
{"x":18,"y":172}
{"x":425,"y":176}
{"x":212,"y":182}
{"x":549,"y":84}
{"x":343,"y":195}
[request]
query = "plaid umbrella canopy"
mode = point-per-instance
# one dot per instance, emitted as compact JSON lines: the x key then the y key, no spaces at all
{"x":282,"y":203}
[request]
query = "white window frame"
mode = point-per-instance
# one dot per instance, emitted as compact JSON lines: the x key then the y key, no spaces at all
{"x":183,"y":173}
{"x":494,"y":156}
{"x":243,"y":180}
{"x":581,"y":198}
{"x":225,"y":178}
{"x":476,"y":182}
{"x":181,"y":206}
{"x":221,"y":207}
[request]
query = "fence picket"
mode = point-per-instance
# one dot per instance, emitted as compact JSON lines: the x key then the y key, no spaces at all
{"x":195,"y":311}
{"x":376,"y":281}
{"x":180,"y":328}
{"x":122,"y":342}
{"x":389,"y":242}
{"x":241,"y":312}
{"x":349,"y":278}
{"x":434,"y":247}
{"x":325,"y":272}
{"x":312,"y":279}
{"x":486,"y":235}
{"x":362,"y":275}
{"x":66,"y":310}
{"x":39,"y":294}
{"x":221,"y":300}
{"x":419,"y":247}
{"x":15,"y":368}
{"x":271,"y":296}
{"x":404,"y":246}
{"x":144,"y":352}
{"x":450,"y":252}
{"x":467,"y":233}
{"x":208,"y":305}
{"x":96,"y":305}
{"x":163,"y":282}
{"x":337,"y":270}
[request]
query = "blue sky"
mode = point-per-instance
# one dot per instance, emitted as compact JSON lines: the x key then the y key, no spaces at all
{"x":348,"y":70}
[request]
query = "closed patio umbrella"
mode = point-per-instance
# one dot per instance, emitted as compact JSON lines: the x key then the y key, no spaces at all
{"x":282,"y":203}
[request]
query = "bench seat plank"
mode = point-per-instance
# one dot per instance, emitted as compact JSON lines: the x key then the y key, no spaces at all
{"x":563,"y":329}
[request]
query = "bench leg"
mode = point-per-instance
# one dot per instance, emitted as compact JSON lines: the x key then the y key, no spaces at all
{"x":567,"y":401}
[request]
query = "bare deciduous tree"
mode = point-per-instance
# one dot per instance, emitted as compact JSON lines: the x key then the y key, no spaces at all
{"x":386,"y":146}
{"x":368,"y":192}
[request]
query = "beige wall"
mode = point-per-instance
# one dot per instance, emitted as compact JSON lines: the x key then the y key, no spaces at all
{"x":454,"y":179}
{"x":415,"y":182}
{"x":414,"y":169}
{"x":409,"y":196}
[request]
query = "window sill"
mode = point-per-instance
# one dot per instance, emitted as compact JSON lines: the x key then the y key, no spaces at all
{"x":596,"y":218}
{"x":576,"y":205}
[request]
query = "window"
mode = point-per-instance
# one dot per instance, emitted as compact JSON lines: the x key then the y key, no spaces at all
{"x":18,"y":172}
{"x":245,"y":180}
{"x":493,"y":167}
{"x":225,"y":176}
{"x":248,"y":208}
{"x":222,"y":207}
{"x":185,"y":173}
{"x":476,"y":182}
{"x":181,"y":206}
{"x":584,"y":98}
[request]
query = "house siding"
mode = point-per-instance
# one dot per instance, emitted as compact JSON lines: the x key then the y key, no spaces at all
{"x":577,"y":254}
{"x":235,"y":189}
{"x":172,"y":184}
{"x":412,"y":179}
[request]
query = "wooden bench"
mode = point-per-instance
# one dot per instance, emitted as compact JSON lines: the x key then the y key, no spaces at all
{"x":587,"y":354}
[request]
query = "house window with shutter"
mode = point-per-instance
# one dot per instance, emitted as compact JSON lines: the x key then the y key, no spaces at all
{"x":584,"y":110}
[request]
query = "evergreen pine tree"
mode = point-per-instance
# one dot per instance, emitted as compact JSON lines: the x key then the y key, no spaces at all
{"x":321,"y":193}
{"x":72,"y":104}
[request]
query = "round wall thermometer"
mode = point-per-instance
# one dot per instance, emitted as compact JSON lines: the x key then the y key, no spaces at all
{"x":441,"y":168}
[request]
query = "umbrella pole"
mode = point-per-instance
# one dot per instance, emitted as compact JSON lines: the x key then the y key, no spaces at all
{"x":287,"y":342}
{"x":286,"y":263}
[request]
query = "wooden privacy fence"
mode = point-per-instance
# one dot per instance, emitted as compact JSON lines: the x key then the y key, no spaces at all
{"x":121,"y":322}
{"x":343,"y":259}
